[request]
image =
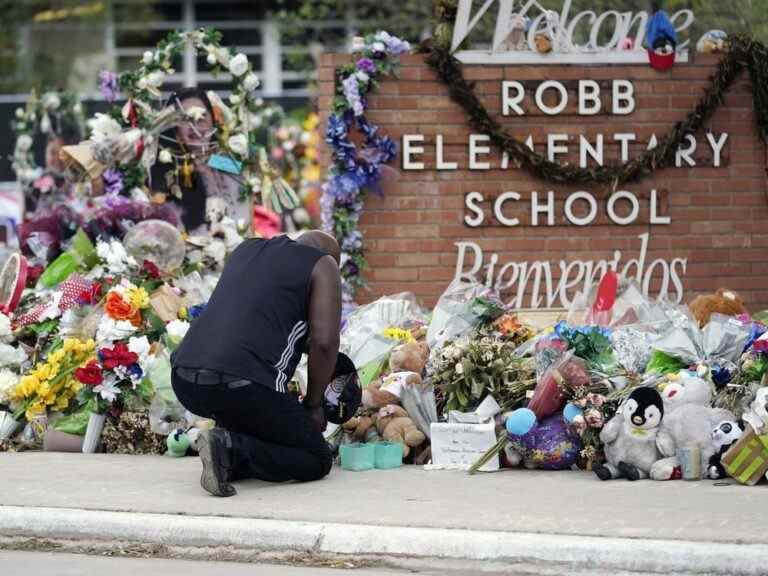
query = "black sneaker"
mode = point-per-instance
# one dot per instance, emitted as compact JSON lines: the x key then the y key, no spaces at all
{"x":214,"y":449}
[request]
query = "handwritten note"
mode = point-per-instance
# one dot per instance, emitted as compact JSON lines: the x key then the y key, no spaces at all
{"x":457,"y":446}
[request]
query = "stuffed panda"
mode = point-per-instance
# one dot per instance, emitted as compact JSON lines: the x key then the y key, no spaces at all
{"x":630,"y":436}
{"x":725,"y":435}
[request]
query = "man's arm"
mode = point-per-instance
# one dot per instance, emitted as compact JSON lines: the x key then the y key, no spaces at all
{"x":324,"y":327}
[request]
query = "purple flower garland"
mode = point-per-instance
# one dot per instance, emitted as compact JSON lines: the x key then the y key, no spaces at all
{"x":354,"y":174}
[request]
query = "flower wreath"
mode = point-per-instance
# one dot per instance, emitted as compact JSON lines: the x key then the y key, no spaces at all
{"x":353,"y":174}
{"x":235,"y":121}
{"x":46,"y":115}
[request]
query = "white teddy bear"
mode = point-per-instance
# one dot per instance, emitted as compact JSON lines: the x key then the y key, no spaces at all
{"x":688,"y":421}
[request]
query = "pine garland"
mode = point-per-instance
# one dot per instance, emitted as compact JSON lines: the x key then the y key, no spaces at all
{"x":744,"y":52}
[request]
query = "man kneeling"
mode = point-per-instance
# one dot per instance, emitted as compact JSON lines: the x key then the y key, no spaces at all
{"x":275,"y":299}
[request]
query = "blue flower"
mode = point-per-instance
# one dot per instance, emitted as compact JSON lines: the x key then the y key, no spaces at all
{"x":195,"y":311}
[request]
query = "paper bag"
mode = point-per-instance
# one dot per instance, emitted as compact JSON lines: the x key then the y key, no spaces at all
{"x":747,"y":460}
{"x":165,"y":303}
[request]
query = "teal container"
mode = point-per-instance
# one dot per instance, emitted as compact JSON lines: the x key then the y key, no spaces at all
{"x":388,"y":455}
{"x":357,"y":456}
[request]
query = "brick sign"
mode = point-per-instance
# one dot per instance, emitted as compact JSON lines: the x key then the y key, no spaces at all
{"x":456,"y":207}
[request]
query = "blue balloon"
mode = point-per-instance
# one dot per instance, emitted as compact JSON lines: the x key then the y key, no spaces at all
{"x":520,"y":422}
{"x":571,"y":411}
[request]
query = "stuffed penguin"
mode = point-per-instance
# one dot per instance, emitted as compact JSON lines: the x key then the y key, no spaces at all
{"x":630,"y":437}
{"x":725,"y":435}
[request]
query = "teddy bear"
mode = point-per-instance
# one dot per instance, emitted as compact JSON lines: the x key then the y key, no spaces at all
{"x":362,"y":428}
{"x":548,"y":445}
{"x":406,"y":364}
{"x":630,"y":436}
{"x":723,"y":301}
{"x":688,"y":421}
{"x":394,"y":425}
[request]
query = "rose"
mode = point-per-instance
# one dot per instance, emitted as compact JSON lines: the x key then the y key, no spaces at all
{"x":24,"y":142}
{"x":147,"y":58}
{"x":90,"y":374}
{"x":594,"y":418}
{"x":118,"y":309}
{"x":238,"y":144}
{"x":165,"y":156}
{"x":155,"y":79}
{"x":251,"y":82}
{"x":151,"y":269}
{"x":119,"y":355}
{"x":238,"y":65}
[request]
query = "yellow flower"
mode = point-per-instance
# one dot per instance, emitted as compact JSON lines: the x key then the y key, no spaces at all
{"x":399,"y":334}
{"x":137,"y":296}
{"x":183,"y":313}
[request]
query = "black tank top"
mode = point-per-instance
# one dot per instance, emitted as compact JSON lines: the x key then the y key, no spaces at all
{"x":256,"y":324}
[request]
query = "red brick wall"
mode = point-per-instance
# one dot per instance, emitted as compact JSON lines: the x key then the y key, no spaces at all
{"x":719,"y":215}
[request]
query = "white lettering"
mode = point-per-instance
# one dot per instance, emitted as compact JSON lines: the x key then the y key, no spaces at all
{"x":623,"y":97}
{"x":633,"y":213}
{"x":499,"y":205}
{"x":509,"y":103}
{"x":585,"y":220}
{"x":639,"y":262}
{"x":717,"y":147}
{"x":476,"y":265}
{"x":586,"y":149}
{"x":475,"y":149}
{"x":549,"y":208}
{"x":589,"y":92}
{"x":655,"y":218}
{"x":558,"y":86}
{"x":471,"y":202}
{"x":688,"y":20}
{"x":685,"y":153}
{"x":441,"y":163}
{"x":625,"y":139}
{"x":617,"y":31}
{"x":409,"y":149}
{"x":553,"y":148}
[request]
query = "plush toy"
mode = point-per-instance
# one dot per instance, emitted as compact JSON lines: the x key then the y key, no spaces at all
{"x":548,"y":445}
{"x":725,"y":435}
{"x":713,"y":42}
{"x":723,"y":301}
{"x":630,"y":436}
{"x":178,"y":443}
{"x":389,"y":389}
{"x":394,"y":425}
{"x":688,"y":421}
{"x":362,"y":429}
{"x":409,"y":357}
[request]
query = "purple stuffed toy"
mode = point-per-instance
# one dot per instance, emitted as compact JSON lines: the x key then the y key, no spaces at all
{"x":549,"y":445}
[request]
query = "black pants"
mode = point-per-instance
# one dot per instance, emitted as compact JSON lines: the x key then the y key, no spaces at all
{"x":273,"y":438}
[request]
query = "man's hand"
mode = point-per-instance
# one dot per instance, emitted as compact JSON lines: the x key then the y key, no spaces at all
{"x":317,"y":415}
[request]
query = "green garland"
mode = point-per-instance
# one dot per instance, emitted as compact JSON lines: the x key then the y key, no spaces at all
{"x":744,"y":52}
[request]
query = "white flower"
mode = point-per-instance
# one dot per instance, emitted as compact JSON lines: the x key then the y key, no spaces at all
{"x":5,"y":327}
{"x":211,"y":58}
{"x":147,"y":58}
{"x":10,"y":356}
{"x":238,"y":144}
{"x":142,"y":83}
{"x":104,"y":127}
{"x":363,"y":77}
{"x":24,"y":142}
{"x":19,"y":113}
{"x":108,"y":389}
{"x":140,"y":346}
{"x":155,"y":79}
{"x":165,"y":156}
{"x":251,"y":82}
{"x":223,"y":56}
{"x":358,"y":44}
{"x":52,"y":311}
{"x":196,"y":113}
{"x":77,"y":108}
{"x":110,"y":330}
{"x":8,"y":381}
{"x":234,"y":99}
{"x":378,"y":47}
{"x":383,"y":36}
{"x":176,"y":330}
{"x":51,"y":101}
{"x":255,"y":120}
{"x":114,"y":256}
{"x":459,"y":368}
{"x":239,"y":65}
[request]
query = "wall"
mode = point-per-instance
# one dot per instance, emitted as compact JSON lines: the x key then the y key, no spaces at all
{"x":718,"y":215}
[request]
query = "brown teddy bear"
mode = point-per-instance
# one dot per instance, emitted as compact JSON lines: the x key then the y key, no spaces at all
{"x":410,"y":357}
{"x":406,"y":364}
{"x":362,"y":429}
{"x":723,"y":301}
{"x":394,"y":425}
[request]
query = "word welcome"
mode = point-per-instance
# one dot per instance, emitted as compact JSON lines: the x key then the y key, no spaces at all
{"x":521,"y":278}
{"x":563,"y":28}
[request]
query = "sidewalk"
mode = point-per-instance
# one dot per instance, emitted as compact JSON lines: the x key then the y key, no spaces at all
{"x":631,"y":526}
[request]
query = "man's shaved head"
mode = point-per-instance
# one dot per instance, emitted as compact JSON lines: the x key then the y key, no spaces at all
{"x":322,"y":241}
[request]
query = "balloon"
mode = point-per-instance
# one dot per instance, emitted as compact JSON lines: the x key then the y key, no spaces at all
{"x":571,"y":411}
{"x":520,"y":422}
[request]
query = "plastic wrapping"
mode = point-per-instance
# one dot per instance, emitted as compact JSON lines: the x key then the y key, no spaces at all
{"x":419,"y":402}
{"x":632,"y":347}
{"x":459,"y":310}
{"x":566,"y":373}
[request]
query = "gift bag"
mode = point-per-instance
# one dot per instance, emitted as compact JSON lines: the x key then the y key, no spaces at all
{"x":747,"y":460}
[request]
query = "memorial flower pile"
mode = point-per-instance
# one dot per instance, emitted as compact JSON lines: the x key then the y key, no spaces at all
{"x":109,"y":378}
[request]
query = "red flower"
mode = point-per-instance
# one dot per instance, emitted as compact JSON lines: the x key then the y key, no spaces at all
{"x":151,"y":269}
{"x":92,"y":295}
{"x":117,"y":356}
{"x":90,"y":374}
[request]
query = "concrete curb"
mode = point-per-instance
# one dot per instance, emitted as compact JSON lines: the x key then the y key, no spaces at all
{"x":605,"y":554}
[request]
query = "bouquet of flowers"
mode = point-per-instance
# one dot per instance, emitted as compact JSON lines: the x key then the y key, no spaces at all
{"x":112,"y":376}
{"x":123,"y":308}
{"x":52,"y":384}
